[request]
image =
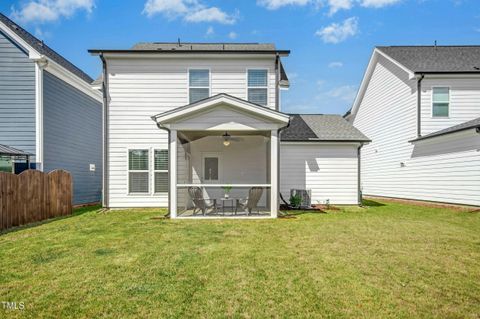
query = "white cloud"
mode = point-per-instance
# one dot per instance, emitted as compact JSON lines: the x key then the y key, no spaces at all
{"x":232,"y":35}
{"x":338,"y":32}
{"x":42,"y":11}
{"x":336,"y":5}
{"x":41,"y":34}
{"x":276,"y":4}
{"x":345,"y":92}
{"x":212,"y":14}
{"x":377,"y":3}
{"x":335,"y":64}
{"x":210,"y":31}
{"x":333,"y":5}
{"x":188,"y":10}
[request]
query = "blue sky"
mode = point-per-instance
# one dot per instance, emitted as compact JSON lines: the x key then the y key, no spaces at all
{"x":331,"y":40}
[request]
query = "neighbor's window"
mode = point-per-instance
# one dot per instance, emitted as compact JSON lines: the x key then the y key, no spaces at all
{"x":161,"y":171}
{"x":441,"y":102}
{"x":138,"y":171}
{"x":199,"y":85}
{"x":257,"y":86}
{"x":210,"y":165}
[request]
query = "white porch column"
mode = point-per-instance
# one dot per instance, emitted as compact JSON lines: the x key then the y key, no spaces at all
{"x":172,"y":160}
{"x":274,"y":173}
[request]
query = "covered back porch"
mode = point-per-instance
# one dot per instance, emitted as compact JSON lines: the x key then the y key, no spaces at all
{"x":223,"y":159}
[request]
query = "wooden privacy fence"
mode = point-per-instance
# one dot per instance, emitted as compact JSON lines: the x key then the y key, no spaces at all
{"x":33,"y":196}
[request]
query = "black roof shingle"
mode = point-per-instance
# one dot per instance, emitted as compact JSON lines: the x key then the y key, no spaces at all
{"x":11,"y":151}
{"x":436,"y":59}
{"x":321,"y":127}
{"x":457,"y":128}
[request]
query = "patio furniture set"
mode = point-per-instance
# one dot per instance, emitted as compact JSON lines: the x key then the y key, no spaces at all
{"x":207,"y":206}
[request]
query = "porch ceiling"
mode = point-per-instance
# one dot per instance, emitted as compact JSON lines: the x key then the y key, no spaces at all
{"x":195,"y":135}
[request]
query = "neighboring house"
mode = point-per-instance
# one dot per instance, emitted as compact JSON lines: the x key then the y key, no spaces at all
{"x":49,"y":110}
{"x":420,"y":105}
{"x":185,"y":122}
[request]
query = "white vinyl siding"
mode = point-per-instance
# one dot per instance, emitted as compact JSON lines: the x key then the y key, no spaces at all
{"x":199,"y":84}
{"x":440,"y":101}
{"x":328,"y":170}
{"x":140,"y":88}
{"x":257,"y":81}
{"x":464,"y":102}
{"x":138,"y":171}
{"x":445,"y":169}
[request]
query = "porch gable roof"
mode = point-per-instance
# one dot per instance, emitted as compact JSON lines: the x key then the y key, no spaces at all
{"x":222,"y":98}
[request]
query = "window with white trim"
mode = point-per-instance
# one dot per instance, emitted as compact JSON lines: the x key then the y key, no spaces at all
{"x":198,"y":84}
{"x":440,"y":101}
{"x":138,"y":171}
{"x":161,"y":171}
{"x":257,"y":86}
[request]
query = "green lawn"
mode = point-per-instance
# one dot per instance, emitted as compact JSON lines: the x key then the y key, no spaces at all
{"x":388,"y":260}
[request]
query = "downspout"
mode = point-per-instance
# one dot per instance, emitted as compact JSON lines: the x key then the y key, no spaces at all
{"x":169,"y":162}
{"x":277,"y":82}
{"x":359,"y":166}
{"x":105,"y":133}
{"x":279,"y":138}
{"x":419,"y":104}
{"x":277,"y":107}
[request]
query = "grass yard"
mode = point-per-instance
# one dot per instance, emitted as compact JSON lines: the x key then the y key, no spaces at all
{"x":387,"y":260}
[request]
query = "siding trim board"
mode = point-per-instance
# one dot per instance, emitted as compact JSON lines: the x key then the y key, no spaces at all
{"x":39,"y":115}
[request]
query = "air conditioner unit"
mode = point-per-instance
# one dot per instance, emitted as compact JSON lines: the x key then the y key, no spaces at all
{"x":305,"y":195}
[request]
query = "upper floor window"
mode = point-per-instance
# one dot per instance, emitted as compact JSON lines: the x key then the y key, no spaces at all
{"x":257,"y":86}
{"x":199,"y":84}
{"x":440,"y":101}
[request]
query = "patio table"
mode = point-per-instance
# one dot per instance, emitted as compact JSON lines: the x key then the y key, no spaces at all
{"x":224,"y":202}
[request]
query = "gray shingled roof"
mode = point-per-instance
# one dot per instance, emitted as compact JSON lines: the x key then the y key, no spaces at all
{"x":320,"y":127}
{"x":192,"y":46}
{"x":44,"y":49}
{"x":203,"y":47}
{"x":8,"y":150}
{"x":441,"y":59}
{"x":457,"y":128}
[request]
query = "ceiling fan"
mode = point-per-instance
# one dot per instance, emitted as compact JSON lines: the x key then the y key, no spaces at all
{"x":227,"y":138}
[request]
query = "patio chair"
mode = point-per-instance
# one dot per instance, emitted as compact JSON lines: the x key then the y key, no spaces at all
{"x":199,"y":202}
{"x":251,"y":202}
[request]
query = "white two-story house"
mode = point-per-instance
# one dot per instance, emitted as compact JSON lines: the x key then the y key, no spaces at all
{"x":199,"y":128}
{"x":420,"y":105}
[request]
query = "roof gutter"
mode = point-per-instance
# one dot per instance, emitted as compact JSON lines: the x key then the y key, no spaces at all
{"x":448,"y":72}
{"x":105,"y":192}
{"x":422,"y":138}
{"x":279,"y":52}
{"x":419,"y":104}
